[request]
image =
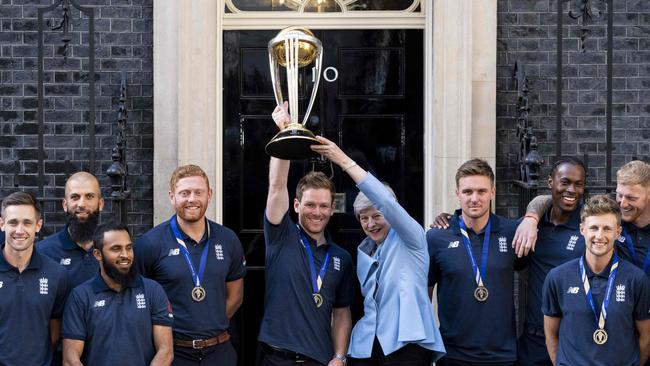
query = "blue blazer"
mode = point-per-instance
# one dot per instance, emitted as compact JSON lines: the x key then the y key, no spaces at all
{"x":398,"y":310}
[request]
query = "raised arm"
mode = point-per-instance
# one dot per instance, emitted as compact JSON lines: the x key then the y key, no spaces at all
{"x":277,"y":201}
{"x":409,"y":230}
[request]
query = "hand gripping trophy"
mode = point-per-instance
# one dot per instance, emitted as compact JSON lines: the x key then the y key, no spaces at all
{"x":294,"y":48}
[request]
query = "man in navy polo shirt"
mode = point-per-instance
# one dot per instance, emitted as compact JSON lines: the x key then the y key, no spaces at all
{"x":72,"y":246}
{"x":309,"y":279}
{"x":32,"y":287}
{"x":201,"y":266}
{"x":473,"y":265}
{"x":596,"y":307}
{"x":118,"y":317}
{"x":560,"y":241}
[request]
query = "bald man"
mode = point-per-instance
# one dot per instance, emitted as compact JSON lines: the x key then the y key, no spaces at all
{"x":72,"y":246}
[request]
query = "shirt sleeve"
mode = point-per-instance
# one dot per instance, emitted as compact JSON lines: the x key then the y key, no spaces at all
{"x":345,"y":288}
{"x":237,"y":268}
{"x":74,"y":318}
{"x":642,"y":301}
{"x":550,"y":301}
{"x":276,"y":235}
{"x":434,"y":270}
{"x":62,"y":291}
{"x":161,"y":308}
{"x":144,"y":258}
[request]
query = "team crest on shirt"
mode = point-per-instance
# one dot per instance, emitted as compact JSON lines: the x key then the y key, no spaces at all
{"x":218,"y":251}
{"x":572,"y":242}
{"x":43,"y":286}
{"x":65,"y":261}
{"x":140,"y":301}
{"x":453,"y":244}
{"x":503,"y":244}
{"x":1,"y":284}
{"x":573,"y":290}
{"x":337,"y":263}
{"x":174,"y":251}
{"x":620,"y":293}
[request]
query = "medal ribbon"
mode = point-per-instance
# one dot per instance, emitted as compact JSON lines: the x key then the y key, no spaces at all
{"x":478,"y":274}
{"x":600,"y":321}
{"x":630,"y":247}
{"x":196,"y":278}
{"x":316,"y":280}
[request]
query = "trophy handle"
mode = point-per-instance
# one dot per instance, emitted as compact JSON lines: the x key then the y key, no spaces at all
{"x":314,"y":90}
{"x":275,"y":78}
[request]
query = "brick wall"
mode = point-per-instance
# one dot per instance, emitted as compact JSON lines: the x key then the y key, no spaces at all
{"x":123,"y":42}
{"x":527,"y":32}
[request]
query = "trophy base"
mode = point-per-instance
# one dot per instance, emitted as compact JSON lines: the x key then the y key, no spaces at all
{"x":292,"y":144}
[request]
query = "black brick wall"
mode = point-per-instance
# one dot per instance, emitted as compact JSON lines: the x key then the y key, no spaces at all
{"x":527,"y":32}
{"x":123,"y":42}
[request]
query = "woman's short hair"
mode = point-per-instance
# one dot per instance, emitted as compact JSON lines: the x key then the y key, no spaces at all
{"x":363,"y":203}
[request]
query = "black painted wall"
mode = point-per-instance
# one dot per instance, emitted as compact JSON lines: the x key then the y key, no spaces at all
{"x":527,"y":32}
{"x":123,"y":42}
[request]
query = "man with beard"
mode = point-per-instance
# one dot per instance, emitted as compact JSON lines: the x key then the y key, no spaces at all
{"x":32,"y":287}
{"x":309,"y":279}
{"x":201,"y":266}
{"x":473,"y":266}
{"x":118,"y":317}
{"x":72,"y":246}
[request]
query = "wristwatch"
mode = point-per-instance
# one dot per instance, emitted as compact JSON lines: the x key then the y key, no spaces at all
{"x":341,"y":358}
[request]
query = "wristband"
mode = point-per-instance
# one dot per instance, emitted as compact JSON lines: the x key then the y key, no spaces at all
{"x":532,"y":216}
{"x":339,"y":356}
{"x":351,"y":165}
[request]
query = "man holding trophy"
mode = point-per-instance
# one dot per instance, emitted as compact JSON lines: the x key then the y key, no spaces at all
{"x":309,"y":279}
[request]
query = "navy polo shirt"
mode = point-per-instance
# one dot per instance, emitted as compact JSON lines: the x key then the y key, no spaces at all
{"x":291,"y":318}
{"x":564,"y":297}
{"x":28,"y":301}
{"x":158,"y":256}
{"x":474,"y":331}
{"x":557,"y":244}
{"x":117,"y":327}
{"x":640,"y":238}
{"x":80,"y":264}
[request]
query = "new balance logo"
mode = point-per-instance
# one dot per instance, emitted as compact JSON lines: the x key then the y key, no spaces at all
{"x":42,"y":286}
{"x":453,"y":244}
{"x":1,"y":284}
{"x":621,"y":238}
{"x":503,"y":244}
{"x":218,"y":251}
{"x":140,"y":301}
{"x":620,"y":293}
{"x":173,"y":252}
{"x":65,"y":261}
{"x":573,"y":290}
{"x":337,"y":263}
{"x":99,"y":303}
{"x":572,"y":242}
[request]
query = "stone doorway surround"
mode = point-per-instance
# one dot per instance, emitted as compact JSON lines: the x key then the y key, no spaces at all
{"x":459,"y":89}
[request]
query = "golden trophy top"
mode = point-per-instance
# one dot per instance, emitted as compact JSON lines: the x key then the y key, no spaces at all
{"x":308,"y":45}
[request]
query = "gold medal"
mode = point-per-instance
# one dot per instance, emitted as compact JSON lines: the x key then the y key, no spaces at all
{"x":481,"y":293}
{"x":198,"y":293}
{"x":318,"y":299}
{"x":600,"y":336}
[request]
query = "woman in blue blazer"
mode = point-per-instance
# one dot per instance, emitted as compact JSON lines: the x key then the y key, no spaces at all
{"x":398,"y":326}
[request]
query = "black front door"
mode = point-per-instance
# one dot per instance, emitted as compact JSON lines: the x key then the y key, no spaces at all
{"x":370,"y":103}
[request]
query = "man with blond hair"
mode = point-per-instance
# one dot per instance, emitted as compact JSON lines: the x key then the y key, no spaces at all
{"x":596,"y":306}
{"x":201,"y":266}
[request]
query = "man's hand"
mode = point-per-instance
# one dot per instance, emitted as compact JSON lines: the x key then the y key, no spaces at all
{"x":281,"y":116}
{"x":441,"y":221}
{"x":336,"y":362}
{"x":525,"y":237}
